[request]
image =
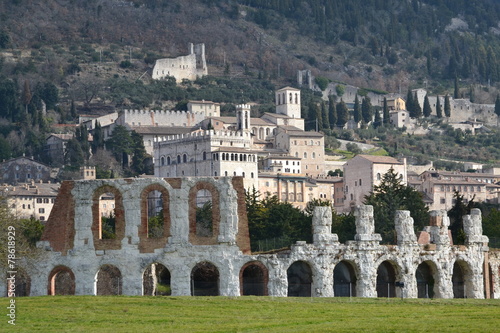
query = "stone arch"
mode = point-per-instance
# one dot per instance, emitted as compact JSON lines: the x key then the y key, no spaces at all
{"x":155,"y":218}
{"x":108,"y":281}
{"x":195,"y":237}
{"x":205,"y":279}
{"x":156,"y":280}
{"x":61,"y":281}
{"x":254,"y":277}
{"x":462,"y":280}
{"x":299,"y":277}
{"x":386,"y":279}
{"x":18,"y":283}
{"x":426,"y":275}
{"x":101,"y":243}
{"x":344,"y":279}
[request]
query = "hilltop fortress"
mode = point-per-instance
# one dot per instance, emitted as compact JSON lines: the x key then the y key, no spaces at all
{"x":188,"y":67}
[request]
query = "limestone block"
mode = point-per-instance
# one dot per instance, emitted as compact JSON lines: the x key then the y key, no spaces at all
{"x":365,"y":224}
{"x":473,"y":227}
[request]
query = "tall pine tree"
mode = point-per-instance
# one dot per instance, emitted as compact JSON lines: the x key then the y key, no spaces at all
{"x":387,"y":116}
{"x":342,"y":114}
{"x":366,"y":110}
{"x":332,"y":112}
{"x":417,"y":110}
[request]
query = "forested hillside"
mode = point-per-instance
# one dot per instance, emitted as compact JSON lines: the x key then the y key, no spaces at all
{"x":73,"y":57}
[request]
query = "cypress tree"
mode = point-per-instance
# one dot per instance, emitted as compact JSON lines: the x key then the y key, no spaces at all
{"x":409,"y":103}
{"x":417,"y":110}
{"x":456,"y":91}
{"x":332,"y":112}
{"x":497,"y":106}
{"x":357,"y":110}
{"x":324,"y":116}
{"x":427,"y":107}
{"x":366,"y":110}
{"x":447,"y":107}
{"x":439,"y":112}
{"x":378,"y":119}
{"x":342,"y":114}
{"x":387,"y":116}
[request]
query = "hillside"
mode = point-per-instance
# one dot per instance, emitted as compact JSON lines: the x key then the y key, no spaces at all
{"x":79,"y":57}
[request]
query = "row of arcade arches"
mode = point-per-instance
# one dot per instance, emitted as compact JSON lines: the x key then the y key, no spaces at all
{"x":254,"y":277}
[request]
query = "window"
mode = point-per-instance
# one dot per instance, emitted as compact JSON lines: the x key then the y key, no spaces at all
{"x":443,"y":201}
{"x":41,"y":210}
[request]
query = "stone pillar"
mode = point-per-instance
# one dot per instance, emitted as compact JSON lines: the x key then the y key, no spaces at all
{"x":278,"y":284}
{"x":179,"y":216}
{"x":473,"y":228}
{"x":229,"y":279}
{"x":439,"y":223}
{"x":180,"y":280}
{"x":322,"y":226}
{"x":404,"y":228}
{"x":323,"y":278}
{"x":365,"y":224}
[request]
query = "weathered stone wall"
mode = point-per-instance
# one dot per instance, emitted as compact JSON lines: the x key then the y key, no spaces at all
{"x":74,"y":264}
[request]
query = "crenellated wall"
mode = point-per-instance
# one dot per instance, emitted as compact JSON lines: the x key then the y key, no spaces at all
{"x":78,"y":260}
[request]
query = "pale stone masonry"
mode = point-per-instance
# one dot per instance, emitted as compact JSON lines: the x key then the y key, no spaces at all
{"x":77,"y":260}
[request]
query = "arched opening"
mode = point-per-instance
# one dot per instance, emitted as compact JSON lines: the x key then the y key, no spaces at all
{"x":204,"y":224}
{"x":299,"y":276}
{"x":205,"y":280}
{"x":386,"y":279}
{"x":156,"y":281}
{"x":18,"y":283}
{"x":458,"y":281}
{"x":61,"y":281}
{"x":108,"y":281}
{"x":107,"y":227}
{"x":154,"y":203}
{"x":425,"y":280}
{"x":254,"y":277}
{"x":344,"y":280}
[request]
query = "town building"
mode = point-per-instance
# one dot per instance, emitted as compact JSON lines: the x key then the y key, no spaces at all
{"x":188,"y":67}
{"x":30,"y":200}
{"x":25,"y":170}
{"x":363,"y":172}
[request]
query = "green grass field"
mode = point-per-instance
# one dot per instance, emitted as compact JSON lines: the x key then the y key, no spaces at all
{"x":250,"y":314}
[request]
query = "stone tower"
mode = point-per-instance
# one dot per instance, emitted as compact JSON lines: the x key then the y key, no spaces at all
{"x":243,"y":117}
{"x":288,"y":102}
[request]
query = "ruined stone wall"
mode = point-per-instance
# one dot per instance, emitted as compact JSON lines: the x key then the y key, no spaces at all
{"x":188,"y":67}
{"x":77,"y":261}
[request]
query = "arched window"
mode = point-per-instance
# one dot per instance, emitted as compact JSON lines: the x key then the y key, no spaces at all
{"x":184,"y":158}
{"x":386,"y":279}
{"x":305,"y":155}
{"x":178,"y":159}
{"x":168,"y":160}
{"x":162,"y":161}
{"x":204,"y":156}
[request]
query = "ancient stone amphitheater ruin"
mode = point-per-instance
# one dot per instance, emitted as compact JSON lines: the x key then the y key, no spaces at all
{"x":188,"y":256}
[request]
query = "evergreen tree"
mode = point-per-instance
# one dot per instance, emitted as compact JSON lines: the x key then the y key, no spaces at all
{"x":74,"y":155}
{"x":427,"y":107}
{"x":120,"y":144}
{"x":377,"y":122}
{"x":366,"y":110}
{"x":357,"y":110}
{"x":324,"y":116}
{"x":140,"y":156}
{"x":391,"y":195}
{"x":342,"y":114}
{"x":82,"y":136}
{"x":387,"y":116}
{"x":72,"y":110}
{"x":497,"y":106}
{"x":471,"y":94}
{"x":409,"y":103}
{"x":26,"y":96}
{"x":332,"y":112}
{"x":447,"y":106}
{"x":456,"y":91}
{"x":439,"y":111}
{"x":98,"y":137}
{"x":456,"y":214}
{"x":417,"y":110}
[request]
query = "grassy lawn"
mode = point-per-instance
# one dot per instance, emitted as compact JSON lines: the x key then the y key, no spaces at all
{"x":250,"y":314}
